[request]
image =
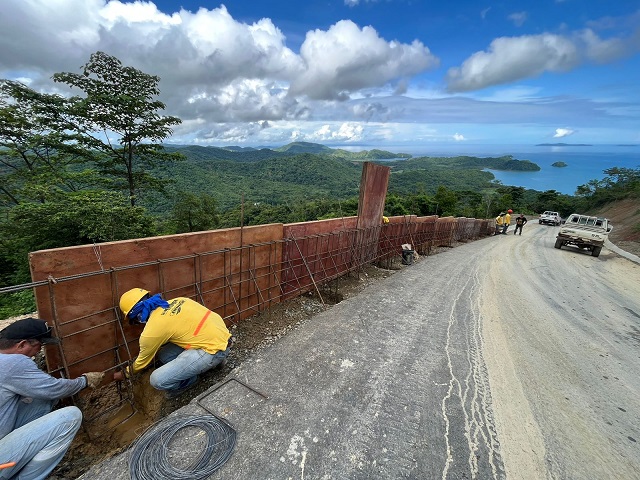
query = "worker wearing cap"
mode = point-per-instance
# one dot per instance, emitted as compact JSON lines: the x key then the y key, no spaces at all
{"x":183,"y":335}
{"x":507,"y":221}
{"x":33,"y":438}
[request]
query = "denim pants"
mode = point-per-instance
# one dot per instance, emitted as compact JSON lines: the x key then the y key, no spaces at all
{"x":39,"y":441}
{"x":181,"y":367}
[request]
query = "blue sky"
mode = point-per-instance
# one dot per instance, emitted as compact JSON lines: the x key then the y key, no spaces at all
{"x":354,"y":72}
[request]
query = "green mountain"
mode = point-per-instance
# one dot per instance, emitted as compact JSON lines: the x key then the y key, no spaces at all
{"x":303,"y":171}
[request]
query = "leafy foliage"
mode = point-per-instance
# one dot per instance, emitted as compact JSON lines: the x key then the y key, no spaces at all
{"x":119,"y":100}
{"x":38,"y":149}
{"x":75,"y":219}
{"x":193,"y":213}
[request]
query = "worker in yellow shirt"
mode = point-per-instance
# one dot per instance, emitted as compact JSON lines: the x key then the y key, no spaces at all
{"x":507,"y":221}
{"x":183,"y":335}
{"x":499,"y":223}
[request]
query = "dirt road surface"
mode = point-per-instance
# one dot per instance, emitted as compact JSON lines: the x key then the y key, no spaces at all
{"x":502,"y":358}
{"x":562,"y":346}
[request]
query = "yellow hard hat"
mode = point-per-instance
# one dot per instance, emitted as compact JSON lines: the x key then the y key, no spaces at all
{"x":130,"y":298}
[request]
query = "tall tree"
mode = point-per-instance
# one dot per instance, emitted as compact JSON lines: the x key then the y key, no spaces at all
{"x":118,"y":116}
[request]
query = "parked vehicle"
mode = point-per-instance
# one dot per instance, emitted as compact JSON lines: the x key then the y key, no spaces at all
{"x":584,"y":231}
{"x":550,"y":218}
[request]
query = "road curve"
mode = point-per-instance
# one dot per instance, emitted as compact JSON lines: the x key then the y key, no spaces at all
{"x":561,"y":336}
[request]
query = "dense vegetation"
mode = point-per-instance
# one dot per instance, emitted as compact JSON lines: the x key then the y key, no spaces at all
{"x":64,"y":181}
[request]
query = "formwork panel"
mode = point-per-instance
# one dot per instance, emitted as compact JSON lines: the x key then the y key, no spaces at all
{"x":305,"y":229}
{"x":85,"y":310}
{"x":373,"y":192}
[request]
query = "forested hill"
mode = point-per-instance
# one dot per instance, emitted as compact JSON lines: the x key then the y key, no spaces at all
{"x":304,"y":171}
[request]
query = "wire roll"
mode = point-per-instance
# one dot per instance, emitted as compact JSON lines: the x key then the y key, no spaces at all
{"x":149,"y":456}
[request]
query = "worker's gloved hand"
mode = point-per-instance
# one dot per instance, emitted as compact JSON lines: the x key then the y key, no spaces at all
{"x":93,"y":379}
{"x":122,"y":374}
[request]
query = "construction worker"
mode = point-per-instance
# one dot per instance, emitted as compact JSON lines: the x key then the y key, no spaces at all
{"x":33,"y":438}
{"x":520,"y":222}
{"x":507,"y":221}
{"x":184,"y":336}
{"x":499,"y":223}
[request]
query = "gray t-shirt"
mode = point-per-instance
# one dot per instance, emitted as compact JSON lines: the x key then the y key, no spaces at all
{"x":21,"y":378}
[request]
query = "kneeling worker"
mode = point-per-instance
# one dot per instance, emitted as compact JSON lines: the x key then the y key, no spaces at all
{"x":185,"y":337}
{"x":33,"y":438}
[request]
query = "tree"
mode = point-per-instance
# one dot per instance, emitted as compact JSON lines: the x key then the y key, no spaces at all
{"x":77,"y":218}
{"x":194,"y":213}
{"x":446,"y":200}
{"x":39,"y":152}
{"x":120,"y":102}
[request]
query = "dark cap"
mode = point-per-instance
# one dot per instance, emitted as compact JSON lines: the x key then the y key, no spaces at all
{"x":29,"y":329}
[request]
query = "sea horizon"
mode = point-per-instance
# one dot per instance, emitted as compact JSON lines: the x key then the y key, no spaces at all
{"x":584,"y":162}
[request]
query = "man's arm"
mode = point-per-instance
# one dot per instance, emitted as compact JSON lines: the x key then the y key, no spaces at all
{"x":27,"y":380}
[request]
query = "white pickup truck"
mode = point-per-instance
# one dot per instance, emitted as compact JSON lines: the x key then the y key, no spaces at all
{"x":550,"y":218}
{"x":584,"y":231}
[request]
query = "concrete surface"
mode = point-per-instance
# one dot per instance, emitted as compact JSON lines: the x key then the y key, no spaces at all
{"x":513,"y":360}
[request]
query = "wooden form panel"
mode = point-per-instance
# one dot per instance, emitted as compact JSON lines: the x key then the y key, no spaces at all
{"x":231,"y":281}
{"x":319,"y":227}
{"x":373,"y":193}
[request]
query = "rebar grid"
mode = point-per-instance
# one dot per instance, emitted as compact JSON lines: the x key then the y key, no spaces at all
{"x":235,"y":282}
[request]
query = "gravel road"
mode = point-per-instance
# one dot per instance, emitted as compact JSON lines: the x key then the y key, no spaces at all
{"x":502,"y":358}
{"x":562,"y":347}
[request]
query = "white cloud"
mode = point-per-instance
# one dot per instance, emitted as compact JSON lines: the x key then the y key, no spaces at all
{"x":211,"y":66}
{"x":509,"y":59}
{"x":605,"y":51}
{"x":513,"y":58}
{"x":563,"y":132}
{"x":346,"y":58}
{"x":458,"y":137}
{"x":346,"y":132}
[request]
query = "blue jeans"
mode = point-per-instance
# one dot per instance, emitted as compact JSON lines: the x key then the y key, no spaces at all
{"x":181,"y":367}
{"x":39,"y":441}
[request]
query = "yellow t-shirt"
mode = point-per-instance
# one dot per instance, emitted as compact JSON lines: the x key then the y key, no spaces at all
{"x":507,"y":219}
{"x":185,"y":323}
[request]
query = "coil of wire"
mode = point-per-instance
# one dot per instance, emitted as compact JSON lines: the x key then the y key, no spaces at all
{"x":149,"y":459}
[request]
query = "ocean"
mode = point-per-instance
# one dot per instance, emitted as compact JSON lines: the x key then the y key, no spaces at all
{"x":584,"y":163}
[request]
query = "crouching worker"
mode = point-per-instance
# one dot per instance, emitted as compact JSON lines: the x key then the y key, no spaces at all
{"x":33,"y":438}
{"x":185,"y":337}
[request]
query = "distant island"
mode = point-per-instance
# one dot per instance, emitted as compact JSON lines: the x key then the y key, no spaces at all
{"x":559,"y":164}
{"x":564,"y":145}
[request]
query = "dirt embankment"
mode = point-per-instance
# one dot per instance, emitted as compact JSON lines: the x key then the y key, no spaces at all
{"x":625,"y":217}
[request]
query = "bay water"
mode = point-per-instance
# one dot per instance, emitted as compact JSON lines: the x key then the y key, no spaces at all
{"x":584,"y":163}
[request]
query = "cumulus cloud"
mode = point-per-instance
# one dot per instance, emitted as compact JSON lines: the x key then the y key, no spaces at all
{"x":458,"y":137}
{"x":563,"y":132}
{"x":346,"y":132}
{"x":212,"y":66}
{"x":347,"y":58}
{"x":510,"y":59}
{"x":513,"y":58}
